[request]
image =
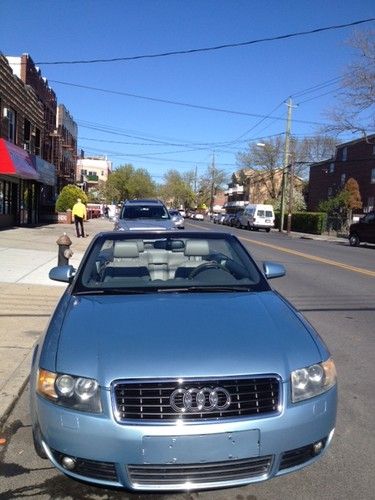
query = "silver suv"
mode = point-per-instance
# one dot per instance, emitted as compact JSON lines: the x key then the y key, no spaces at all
{"x":144,"y":215}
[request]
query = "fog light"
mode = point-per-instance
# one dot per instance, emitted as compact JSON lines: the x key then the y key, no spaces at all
{"x":68,"y":463}
{"x":317,"y":447}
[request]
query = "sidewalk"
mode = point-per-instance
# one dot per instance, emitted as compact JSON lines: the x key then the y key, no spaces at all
{"x":28,"y":296}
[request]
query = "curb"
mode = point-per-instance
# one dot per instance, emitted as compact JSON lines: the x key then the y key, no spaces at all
{"x":15,"y":387}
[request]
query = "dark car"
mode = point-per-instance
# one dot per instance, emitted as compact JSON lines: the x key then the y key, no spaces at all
{"x":235,"y":221}
{"x":363,"y":231}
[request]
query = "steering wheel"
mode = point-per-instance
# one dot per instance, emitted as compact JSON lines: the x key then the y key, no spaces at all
{"x":205,"y":266}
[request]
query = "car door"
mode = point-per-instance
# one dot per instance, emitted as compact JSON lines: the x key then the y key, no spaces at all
{"x":368,"y":230}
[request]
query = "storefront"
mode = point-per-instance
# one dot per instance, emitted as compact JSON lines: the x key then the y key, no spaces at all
{"x":47,"y":189}
{"x":22,"y":184}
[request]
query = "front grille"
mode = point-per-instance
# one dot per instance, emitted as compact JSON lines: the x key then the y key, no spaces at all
{"x":216,"y":472}
{"x":90,"y":468}
{"x":152,"y":400}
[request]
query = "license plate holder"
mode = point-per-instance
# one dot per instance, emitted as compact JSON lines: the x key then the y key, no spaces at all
{"x":201,"y":448}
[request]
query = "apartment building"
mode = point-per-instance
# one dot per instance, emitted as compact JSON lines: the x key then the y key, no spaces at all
{"x":91,"y":170}
{"x":354,"y":159}
{"x":27,"y":180}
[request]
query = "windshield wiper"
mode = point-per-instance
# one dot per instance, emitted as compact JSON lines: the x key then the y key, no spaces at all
{"x":117,"y":291}
{"x":218,"y":288}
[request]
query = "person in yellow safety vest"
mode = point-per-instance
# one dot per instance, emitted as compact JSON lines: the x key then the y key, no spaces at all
{"x":79,"y":213}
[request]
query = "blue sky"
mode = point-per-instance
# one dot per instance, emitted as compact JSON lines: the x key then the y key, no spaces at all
{"x":254,"y":79}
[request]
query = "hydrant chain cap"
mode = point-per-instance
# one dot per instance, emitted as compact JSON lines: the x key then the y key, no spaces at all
{"x":64,"y":240}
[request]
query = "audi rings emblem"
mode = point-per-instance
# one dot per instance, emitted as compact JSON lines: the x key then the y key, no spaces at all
{"x":196,"y":400}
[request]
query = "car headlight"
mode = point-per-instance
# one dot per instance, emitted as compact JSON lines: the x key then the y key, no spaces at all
{"x":313,"y":380}
{"x":78,"y":393}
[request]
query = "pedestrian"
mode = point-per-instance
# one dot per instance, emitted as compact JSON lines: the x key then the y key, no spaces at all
{"x":79,"y":213}
{"x":106,"y":211}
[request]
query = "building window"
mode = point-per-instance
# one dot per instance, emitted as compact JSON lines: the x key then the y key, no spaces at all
{"x":370,"y":203}
{"x":344,"y":153}
{"x":37,"y":142}
{"x":26,"y":134}
{"x":5,"y":198}
{"x":343,"y":177}
{"x":11,"y":115}
{"x":331,"y":168}
{"x":373,"y":176}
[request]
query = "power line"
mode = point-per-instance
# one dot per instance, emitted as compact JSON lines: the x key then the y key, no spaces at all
{"x":179,"y":103}
{"x":209,"y":49}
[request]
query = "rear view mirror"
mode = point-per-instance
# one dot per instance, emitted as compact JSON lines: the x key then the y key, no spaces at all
{"x":62,"y":273}
{"x":273,"y":270}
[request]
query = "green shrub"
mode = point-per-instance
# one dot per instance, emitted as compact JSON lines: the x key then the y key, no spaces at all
{"x":305,"y":222}
{"x":68,"y":196}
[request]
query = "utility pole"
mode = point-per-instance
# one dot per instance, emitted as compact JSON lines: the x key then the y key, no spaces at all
{"x":195,"y":184}
{"x":212,"y":194}
{"x":286,"y":163}
{"x":290,"y":204}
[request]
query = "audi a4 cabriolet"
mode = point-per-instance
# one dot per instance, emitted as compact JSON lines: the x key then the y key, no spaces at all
{"x":171,"y":364}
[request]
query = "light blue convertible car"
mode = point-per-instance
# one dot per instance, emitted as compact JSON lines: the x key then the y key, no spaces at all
{"x":170,"y":364}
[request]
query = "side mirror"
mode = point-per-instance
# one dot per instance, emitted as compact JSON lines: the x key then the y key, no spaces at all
{"x":273,"y":270}
{"x":62,"y":273}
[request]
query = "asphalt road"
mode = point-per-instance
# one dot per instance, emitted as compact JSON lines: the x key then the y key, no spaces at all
{"x":333,"y":285}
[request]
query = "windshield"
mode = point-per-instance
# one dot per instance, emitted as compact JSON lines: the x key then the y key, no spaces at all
{"x":118,"y":263}
{"x":144,"y":212}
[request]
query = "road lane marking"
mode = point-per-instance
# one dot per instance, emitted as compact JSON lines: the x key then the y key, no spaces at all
{"x":322,"y":260}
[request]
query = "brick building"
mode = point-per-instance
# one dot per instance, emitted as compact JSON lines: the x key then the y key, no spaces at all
{"x":27,"y":181}
{"x":65,"y":147}
{"x":59,"y":133}
{"x":354,"y":159}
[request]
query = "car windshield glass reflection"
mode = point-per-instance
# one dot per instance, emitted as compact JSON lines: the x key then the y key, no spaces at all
{"x":144,"y":212}
{"x":181,"y":263}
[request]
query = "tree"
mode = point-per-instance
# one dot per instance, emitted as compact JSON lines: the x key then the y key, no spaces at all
{"x":344,"y":202}
{"x":176,"y":191}
{"x":68,"y":197}
{"x":354,"y":200}
{"x":267,"y":160}
{"x":210,"y":182}
{"x":298,"y":205}
{"x":355,"y":110}
{"x":129,"y":183}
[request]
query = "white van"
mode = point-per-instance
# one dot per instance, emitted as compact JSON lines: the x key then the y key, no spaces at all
{"x":257,"y":217}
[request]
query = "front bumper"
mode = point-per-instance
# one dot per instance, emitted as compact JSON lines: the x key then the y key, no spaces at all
{"x":156,"y":456}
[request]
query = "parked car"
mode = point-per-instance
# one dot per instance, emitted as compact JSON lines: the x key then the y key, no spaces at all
{"x":257,"y":216}
{"x":136,"y":384}
{"x":218,"y":218}
{"x":198,"y":216}
{"x":182,"y":212}
{"x":235,"y":221}
{"x":363,"y":230}
{"x":227,"y":219}
{"x":143,"y":215}
{"x":177,"y":218}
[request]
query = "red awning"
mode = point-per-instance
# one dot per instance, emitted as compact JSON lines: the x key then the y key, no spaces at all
{"x":16,"y":161}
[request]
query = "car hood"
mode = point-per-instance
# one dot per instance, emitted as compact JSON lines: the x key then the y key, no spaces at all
{"x":182,"y":335}
{"x":145,"y":225}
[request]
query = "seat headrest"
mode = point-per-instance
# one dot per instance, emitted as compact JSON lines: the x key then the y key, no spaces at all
{"x":123,"y":249}
{"x":196,"y":248}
